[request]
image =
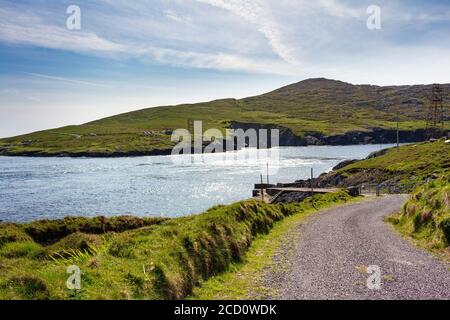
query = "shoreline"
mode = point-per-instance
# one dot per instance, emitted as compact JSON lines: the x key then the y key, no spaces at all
{"x":374,"y":136}
{"x":160,"y":152}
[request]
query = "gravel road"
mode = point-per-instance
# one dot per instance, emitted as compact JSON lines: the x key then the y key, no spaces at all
{"x":333,"y":249}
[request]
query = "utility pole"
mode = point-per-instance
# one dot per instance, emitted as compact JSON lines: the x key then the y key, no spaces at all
{"x":435,"y":115}
{"x":312,"y":183}
{"x":262,"y":189}
{"x":398,"y":131}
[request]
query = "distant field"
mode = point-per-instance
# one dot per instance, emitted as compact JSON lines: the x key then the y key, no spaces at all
{"x":313,"y":106}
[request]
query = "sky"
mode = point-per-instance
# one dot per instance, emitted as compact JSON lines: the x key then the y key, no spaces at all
{"x":128,"y":55}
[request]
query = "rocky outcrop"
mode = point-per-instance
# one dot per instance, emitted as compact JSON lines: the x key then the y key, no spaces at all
{"x":375,"y":136}
{"x":287,"y":139}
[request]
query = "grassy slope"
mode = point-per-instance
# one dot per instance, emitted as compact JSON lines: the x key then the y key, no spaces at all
{"x":426,"y":217}
{"x":318,"y":105}
{"x":408,"y":167}
{"x":163,"y":260}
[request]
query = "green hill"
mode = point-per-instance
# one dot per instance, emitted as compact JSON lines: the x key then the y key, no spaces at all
{"x":319,"y":108}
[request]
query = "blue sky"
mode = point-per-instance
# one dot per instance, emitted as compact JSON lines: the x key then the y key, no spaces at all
{"x":134,"y":54}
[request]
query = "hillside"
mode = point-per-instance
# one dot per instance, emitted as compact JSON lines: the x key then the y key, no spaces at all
{"x":314,"y":111}
{"x":399,"y":171}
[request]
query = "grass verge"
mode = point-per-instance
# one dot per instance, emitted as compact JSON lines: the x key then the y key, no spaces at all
{"x":425,"y":218}
{"x":245,"y":280}
{"x":165,"y":260}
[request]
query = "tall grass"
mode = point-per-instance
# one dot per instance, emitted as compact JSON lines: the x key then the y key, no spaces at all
{"x":163,"y":261}
{"x":426,"y":215}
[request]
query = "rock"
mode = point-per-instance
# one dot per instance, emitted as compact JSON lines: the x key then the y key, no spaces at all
{"x":431,"y":178}
{"x":310,"y":140}
{"x":447,"y":141}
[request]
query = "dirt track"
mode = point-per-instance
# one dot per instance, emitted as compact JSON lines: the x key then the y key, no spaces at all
{"x":329,"y":259}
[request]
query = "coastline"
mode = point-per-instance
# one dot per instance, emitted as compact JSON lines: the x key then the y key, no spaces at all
{"x":287,"y":139}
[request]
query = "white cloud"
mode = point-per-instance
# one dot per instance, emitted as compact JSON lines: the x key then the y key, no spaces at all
{"x":258,"y":14}
{"x":338,"y":9}
{"x":49,"y":36}
{"x":175,"y":16}
{"x":218,"y":61}
{"x":289,"y":37}
{"x":35,"y":31}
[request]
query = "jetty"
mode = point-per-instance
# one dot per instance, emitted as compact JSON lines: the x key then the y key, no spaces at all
{"x":271,"y":193}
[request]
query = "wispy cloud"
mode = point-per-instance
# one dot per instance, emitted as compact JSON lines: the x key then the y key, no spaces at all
{"x":175,"y":16}
{"x":67,"y":80}
{"x":34,"y":31}
{"x":341,"y":10}
{"x":256,"y":13}
{"x":290,"y":37}
{"x":49,"y":36}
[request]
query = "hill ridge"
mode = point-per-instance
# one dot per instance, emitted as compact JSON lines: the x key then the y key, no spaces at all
{"x":308,"y":111}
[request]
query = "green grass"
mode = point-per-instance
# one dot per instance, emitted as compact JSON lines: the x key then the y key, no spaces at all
{"x":426,"y":217}
{"x":314,"y":106}
{"x":408,"y":168}
{"x":166,"y":260}
{"x":244,"y":280}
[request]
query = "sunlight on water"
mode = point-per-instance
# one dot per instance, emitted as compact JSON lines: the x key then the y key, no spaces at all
{"x":50,"y":188}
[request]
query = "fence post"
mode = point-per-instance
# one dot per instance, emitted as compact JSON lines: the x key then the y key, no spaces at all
{"x":262,"y":189}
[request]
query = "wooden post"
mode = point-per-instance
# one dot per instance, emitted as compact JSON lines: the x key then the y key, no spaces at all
{"x":262,"y":189}
{"x":312,"y":183}
{"x":268,"y":173}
